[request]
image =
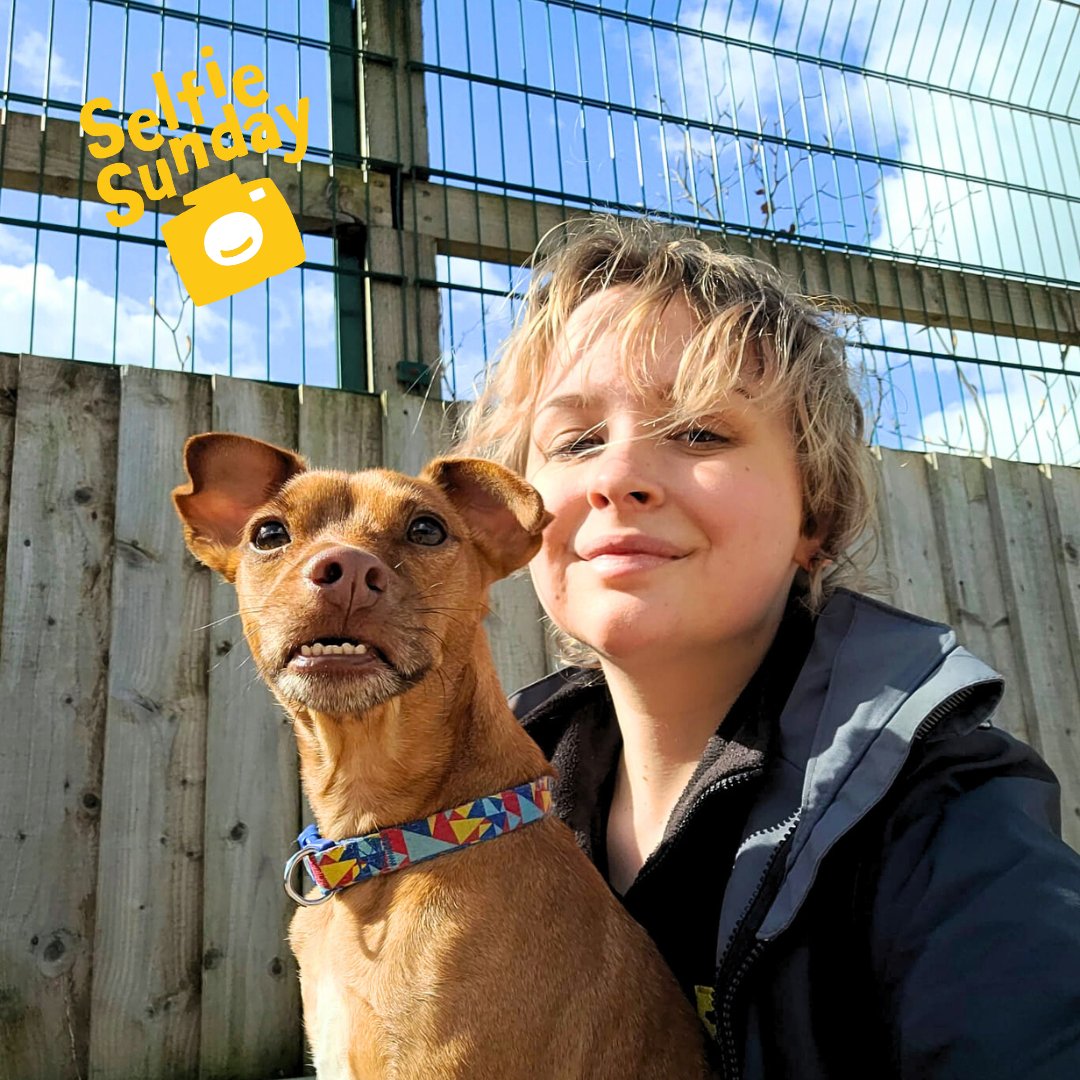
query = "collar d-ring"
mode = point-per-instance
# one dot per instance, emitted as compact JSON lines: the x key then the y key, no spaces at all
{"x":290,"y":866}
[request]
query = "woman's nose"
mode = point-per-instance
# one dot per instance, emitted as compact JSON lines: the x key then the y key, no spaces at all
{"x":622,"y":474}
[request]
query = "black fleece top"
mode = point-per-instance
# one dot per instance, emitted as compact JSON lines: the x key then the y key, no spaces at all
{"x":676,"y":894}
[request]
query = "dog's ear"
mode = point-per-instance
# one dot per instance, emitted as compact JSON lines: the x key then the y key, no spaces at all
{"x":230,"y":477}
{"x":506,"y":514}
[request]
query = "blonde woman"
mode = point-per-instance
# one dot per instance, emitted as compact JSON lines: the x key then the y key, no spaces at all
{"x":798,"y":791}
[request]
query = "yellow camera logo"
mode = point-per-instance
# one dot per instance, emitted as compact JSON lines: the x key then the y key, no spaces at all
{"x":234,"y":236}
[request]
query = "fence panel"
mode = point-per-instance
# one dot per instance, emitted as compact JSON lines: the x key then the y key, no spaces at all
{"x":192,"y":974}
{"x":907,"y":531}
{"x":148,"y":946}
{"x":9,"y":381}
{"x":1047,"y":678}
{"x":251,"y":994}
{"x":968,"y":543}
{"x":53,"y":690}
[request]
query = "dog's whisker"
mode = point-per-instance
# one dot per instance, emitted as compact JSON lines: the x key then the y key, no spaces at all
{"x":231,"y":615}
{"x":450,"y":617}
{"x":216,"y":622}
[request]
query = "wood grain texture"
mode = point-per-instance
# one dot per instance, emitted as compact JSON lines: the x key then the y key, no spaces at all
{"x":414,"y":431}
{"x":970,"y":560}
{"x":53,"y":688}
{"x":390,"y":129}
{"x":148,"y":945}
{"x":339,"y":430}
{"x":1061,"y":492}
{"x":909,"y":534}
{"x":1046,"y":675}
{"x":251,"y":1026}
{"x":405,"y":313}
{"x":516,"y":631}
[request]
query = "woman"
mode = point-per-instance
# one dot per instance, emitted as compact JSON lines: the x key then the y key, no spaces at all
{"x":797,"y":790}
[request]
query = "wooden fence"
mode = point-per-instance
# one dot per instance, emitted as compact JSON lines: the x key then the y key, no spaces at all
{"x":148,"y":782}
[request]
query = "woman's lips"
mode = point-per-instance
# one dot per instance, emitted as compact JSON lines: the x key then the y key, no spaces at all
{"x":616,"y":564}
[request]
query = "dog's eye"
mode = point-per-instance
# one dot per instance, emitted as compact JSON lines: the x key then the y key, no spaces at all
{"x":426,"y":530}
{"x":269,"y":535}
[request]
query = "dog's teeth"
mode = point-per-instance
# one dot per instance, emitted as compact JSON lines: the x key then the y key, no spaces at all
{"x":305,"y":650}
{"x":317,"y":649}
{"x":361,"y":649}
{"x":336,"y":650}
{"x":347,"y":649}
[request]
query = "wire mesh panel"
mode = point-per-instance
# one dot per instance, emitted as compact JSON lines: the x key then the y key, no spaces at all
{"x":76,"y":285}
{"x":925,"y":159}
{"x":928,"y":136}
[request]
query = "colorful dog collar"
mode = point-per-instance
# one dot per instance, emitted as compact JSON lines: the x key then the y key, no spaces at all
{"x":335,"y":864}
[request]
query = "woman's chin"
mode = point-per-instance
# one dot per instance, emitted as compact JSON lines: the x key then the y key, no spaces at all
{"x":629,"y":645}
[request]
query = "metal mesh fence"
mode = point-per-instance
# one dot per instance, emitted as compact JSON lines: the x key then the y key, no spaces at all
{"x":940,"y":136}
{"x":79,"y":287}
{"x":929,"y":154}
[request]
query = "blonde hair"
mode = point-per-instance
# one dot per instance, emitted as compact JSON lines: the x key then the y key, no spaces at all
{"x":753,"y":330}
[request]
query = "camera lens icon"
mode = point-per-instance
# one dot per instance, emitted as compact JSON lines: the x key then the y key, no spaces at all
{"x":233,"y":238}
{"x":234,"y":235}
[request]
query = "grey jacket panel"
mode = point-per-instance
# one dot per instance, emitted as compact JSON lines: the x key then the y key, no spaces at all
{"x":873,"y":676}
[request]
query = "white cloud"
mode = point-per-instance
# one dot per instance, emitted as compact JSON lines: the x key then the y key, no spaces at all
{"x":32,"y":57}
{"x":1047,"y":431}
{"x":56,"y":303}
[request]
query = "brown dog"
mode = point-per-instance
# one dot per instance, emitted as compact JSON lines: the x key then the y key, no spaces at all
{"x":511,"y":958}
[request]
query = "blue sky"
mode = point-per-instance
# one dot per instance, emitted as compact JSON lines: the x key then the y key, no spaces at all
{"x":1019,"y":50}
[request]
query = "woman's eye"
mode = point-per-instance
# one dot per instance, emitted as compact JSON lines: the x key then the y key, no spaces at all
{"x":574,"y":447}
{"x":697,"y":436}
{"x":270,"y":535}
{"x":428,"y":531}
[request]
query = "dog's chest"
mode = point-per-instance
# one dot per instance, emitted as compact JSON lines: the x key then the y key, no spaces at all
{"x":332,"y":1033}
{"x":362,"y":975}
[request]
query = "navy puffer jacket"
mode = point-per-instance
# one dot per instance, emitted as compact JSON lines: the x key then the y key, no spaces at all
{"x":900,"y":903}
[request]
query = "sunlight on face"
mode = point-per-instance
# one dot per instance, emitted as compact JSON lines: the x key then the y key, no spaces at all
{"x":662,"y":541}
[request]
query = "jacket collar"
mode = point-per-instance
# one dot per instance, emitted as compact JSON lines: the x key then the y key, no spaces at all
{"x":569,"y":714}
{"x":876,"y":679}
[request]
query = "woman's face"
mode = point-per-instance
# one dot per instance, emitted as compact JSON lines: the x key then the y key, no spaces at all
{"x":660,"y":543}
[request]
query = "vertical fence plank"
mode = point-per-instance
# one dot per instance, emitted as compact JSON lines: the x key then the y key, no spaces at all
{"x":515,"y":629}
{"x":971,"y":566}
{"x":1062,"y":494}
{"x":414,"y":431}
{"x":53,"y":689}
{"x":339,"y":430}
{"x":148,"y":946}
{"x":908,"y":534}
{"x":1047,"y":680}
{"x":1062,"y":491}
{"x":9,"y":381}
{"x":251,"y":994}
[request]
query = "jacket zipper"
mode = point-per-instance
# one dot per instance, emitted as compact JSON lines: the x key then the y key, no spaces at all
{"x":729,"y":1051}
{"x":948,"y":705}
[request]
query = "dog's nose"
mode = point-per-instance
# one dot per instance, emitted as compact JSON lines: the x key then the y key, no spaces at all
{"x":349,"y":571}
